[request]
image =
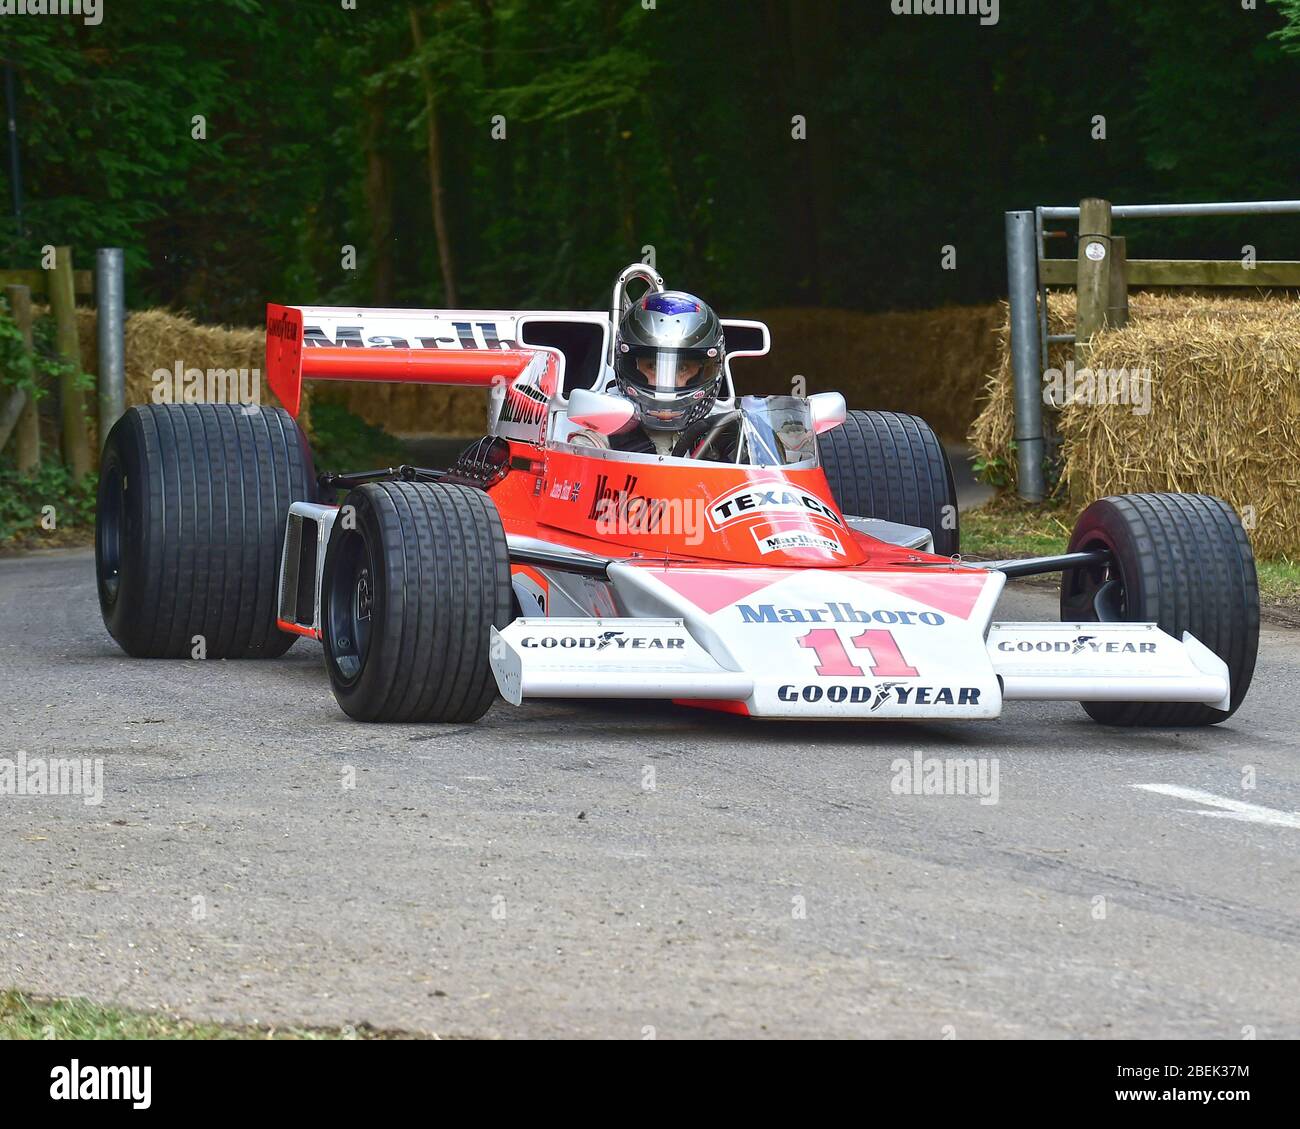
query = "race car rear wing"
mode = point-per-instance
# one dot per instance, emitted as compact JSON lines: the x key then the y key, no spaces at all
{"x":465,"y":348}
{"x":457,"y":348}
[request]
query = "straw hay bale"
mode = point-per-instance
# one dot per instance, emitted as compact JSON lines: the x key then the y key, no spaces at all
{"x":1224,"y":409}
{"x":411,"y":410}
{"x":158,"y":339}
{"x":930,"y":362}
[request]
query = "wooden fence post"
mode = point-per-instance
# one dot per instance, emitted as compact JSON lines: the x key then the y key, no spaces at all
{"x":1094,"y":275}
{"x":28,"y":438}
{"x":76,"y":444}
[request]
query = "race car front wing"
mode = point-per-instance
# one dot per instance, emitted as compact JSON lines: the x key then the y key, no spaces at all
{"x":840,"y":643}
{"x":658,"y":658}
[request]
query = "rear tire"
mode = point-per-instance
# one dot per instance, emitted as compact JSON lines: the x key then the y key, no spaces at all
{"x":190,"y":525}
{"x":892,"y":466}
{"x":1182,"y":561}
{"x":411,"y":588}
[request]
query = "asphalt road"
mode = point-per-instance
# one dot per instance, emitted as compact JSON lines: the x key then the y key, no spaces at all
{"x":518,"y":877}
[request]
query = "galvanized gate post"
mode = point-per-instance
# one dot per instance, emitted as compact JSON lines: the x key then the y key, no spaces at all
{"x":1022,"y":289}
{"x":110,"y":292}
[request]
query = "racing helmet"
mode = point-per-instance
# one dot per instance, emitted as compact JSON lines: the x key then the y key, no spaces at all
{"x":668,"y":353}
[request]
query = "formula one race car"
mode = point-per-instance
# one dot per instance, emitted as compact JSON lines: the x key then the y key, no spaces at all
{"x":797,"y":560}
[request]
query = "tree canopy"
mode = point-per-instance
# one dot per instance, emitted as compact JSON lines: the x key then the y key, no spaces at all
{"x":771,"y":152}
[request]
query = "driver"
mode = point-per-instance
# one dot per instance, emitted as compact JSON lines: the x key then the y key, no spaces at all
{"x":668,"y":353}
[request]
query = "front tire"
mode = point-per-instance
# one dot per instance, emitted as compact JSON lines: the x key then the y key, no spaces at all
{"x":416,"y":575}
{"x":189,"y":527}
{"x":1181,"y":561}
{"x":892,"y":466}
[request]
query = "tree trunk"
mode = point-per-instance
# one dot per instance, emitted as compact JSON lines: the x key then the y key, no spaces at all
{"x":805,"y":56}
{"x":76,"y":443}
{"x":379,"y":203}
{"x":445,"y":258}
{"x":28,"y":439}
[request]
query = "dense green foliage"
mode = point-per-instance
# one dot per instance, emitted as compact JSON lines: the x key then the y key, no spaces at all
{"x":341,"y":440}
{"x":32,"y":506}
{"x":1290,"y":32}
{"x":34,"y":372}
{"x":627,"y":126}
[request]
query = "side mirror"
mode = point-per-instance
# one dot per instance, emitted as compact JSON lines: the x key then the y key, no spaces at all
{"x":602,"y":413}
{"x":828,"y":411}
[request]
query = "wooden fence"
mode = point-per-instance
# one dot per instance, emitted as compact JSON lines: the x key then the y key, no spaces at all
{"x":59,"y":287}
{"x":1103,"y":274}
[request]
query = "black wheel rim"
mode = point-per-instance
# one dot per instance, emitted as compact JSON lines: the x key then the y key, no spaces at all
{"x":108,"y":530}
{"x":349,"y":607}
{"x":1095,"y":594}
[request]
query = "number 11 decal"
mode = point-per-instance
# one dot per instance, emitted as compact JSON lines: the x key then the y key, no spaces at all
{"x":833,"y":660}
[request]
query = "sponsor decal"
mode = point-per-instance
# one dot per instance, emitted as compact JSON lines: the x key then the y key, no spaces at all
{"x":467,"y":336}
{"x":881,"y":695}
{"x":525,"y":402}
{"x":751,"y":501}
{"x":782,"y":540}
{"x":349,"y":337}
{"x":838,"y":611}
{"x":565,"y":491}
{"x":875,"y":697}
{"x":624,"y":508}
{"x":1077,"y":645}
{"x":285,"y":327}
{"x":615,"y":639}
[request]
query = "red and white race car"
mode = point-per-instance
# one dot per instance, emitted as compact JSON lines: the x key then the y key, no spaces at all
{"x":800,"y":561}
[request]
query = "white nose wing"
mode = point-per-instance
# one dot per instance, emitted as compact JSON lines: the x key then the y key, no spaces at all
{"x":1105,"y":662}
{"x":608,"y":658}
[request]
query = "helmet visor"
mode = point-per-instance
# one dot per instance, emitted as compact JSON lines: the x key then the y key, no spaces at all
{"x":670,"y":371}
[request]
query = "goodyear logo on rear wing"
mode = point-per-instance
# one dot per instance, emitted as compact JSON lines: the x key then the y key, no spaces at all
{"x":467,"y":335}
{"x":284,"y":327}
{"x":756,"y":500}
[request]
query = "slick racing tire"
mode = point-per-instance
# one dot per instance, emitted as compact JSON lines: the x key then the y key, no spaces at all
{"x":190,"y":525}
{"x":1181,"y":561}
{"x":416,"y":575}
{"x":892,"y":466}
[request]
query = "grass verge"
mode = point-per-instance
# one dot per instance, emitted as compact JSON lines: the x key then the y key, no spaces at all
{"x":28,"y":1017}
{"x":1006,"y":528}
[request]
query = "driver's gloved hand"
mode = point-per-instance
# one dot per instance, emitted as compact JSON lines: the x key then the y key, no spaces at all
{"x":724,"y":446}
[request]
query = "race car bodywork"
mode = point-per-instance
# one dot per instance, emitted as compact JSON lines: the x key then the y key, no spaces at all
{"x":902,"y":634}
{"x":740,"y":586}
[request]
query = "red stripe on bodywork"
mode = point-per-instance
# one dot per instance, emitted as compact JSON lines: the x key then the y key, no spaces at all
{"x":296,"y":629}
{"x":720,"y":705}
{"x":954,"y":593}
{"x":713,"y":589}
